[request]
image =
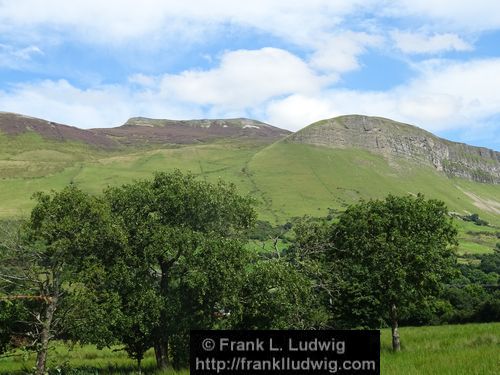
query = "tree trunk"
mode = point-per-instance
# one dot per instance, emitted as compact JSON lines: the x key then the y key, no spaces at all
{"x":161,"y":344}
{"x":396,"y":343}
{"x":139,"y":366}
{"x":161,"y":354}
{"x":41,"y":355}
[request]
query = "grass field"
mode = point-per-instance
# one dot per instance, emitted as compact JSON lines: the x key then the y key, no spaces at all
{"x":470,"y":349}
{"x":286,"y":179}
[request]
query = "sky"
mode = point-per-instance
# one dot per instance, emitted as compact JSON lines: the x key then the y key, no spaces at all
{"x":431,"y":63}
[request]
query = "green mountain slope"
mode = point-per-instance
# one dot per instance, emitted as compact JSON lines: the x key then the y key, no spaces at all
{"x":332,"y":178}
{"x":326,"y":165}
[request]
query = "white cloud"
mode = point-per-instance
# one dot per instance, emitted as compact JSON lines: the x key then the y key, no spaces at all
{"x":443,"y":97}
{"x":296,"y":111}
{"x":17,"y":58}
{"x":103,"y":106}
{"x":142,"y":80}
{"x":269,"y":83}
{"x":245,"y":78}
{"x":119,"y":20}
{"x":478,"y":15}
{"x":470,"y":90}
{"x":409,"y":42}
{"x":314,"y":25}
{"x":302,"y":22}
{"x":339,"y":53}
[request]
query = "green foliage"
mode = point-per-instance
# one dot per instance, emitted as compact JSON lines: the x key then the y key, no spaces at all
{"x":263,"y":230}
{"x":490,"y":262}
{"x":145,"y":262}
{"x":12,"y":316}
{"x":71,"y":226}
{"x":43,"y":262}
{"x":473,"y":295}
{"x":475,"y":219}
{"x":278,"y":296}
{"x":399,"y":249}
{"x":141,"y":265}
{"x":378,"y":255}
{"x":186,"y":252}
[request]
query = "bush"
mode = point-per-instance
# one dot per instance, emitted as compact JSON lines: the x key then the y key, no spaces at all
{"x":475,"y":219}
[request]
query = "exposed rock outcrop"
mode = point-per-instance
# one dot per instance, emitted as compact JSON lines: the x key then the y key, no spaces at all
{"x":394,"y":139}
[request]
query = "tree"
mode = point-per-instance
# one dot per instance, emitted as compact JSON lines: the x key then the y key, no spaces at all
{"x":187,"y":237}
{"x":394,"y":254}
{"x":43,"y":262}
{"x":276,"y":295}
{"x":384,"y":258}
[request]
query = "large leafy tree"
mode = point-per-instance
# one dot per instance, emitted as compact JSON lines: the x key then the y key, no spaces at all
{"x":43,"y":263}
{"x":381,"y":259}
{"x":186,"y":235}
{"x":393,"y":254}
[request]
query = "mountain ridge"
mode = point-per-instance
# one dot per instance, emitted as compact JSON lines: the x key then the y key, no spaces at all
{"x":379,"y":135}
{"x":138,"y":131}
{"x":143,"y":130}
{"x":393,"y":139}
{"x":14,"y":124}
{"x":286,"y":177}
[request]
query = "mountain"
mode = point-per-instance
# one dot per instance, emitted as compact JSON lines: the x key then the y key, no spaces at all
{"x":334,"y":162}
{"x":16,"y":124}
{"x":141,"y":130}
{"x":321,"y":168}
{"x":395,"y":140}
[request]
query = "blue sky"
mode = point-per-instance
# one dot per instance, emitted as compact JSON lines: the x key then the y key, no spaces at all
{"x":435,"y":64}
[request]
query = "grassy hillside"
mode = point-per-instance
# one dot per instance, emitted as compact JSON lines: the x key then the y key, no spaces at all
{"x":323,"y":177}
{"x":288,"y":179}
{"x":295,"y":179}
{"x":93,"y":170}
{"x":448,"y":350}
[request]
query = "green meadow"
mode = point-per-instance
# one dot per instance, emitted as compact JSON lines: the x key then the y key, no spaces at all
{"x":286,"y":179}
{"x":469,"y":349}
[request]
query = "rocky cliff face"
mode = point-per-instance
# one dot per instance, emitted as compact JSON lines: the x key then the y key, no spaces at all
{"x":394,"y":139}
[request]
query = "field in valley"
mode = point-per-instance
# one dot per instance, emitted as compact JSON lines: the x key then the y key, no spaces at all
{"x":470,"y":349}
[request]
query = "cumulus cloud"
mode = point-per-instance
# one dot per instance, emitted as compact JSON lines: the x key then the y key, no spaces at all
{"x":121,"y":20}
{"x":444,"y":96}
{"x":296,"y":111}
{"x":470,"y":88}
{"x":276,"y":87}
{"x":245,"y":78}
{"x":339,"y":53}
{"x":410,"y":42}
{"x":102,"y":106}
{"x":328,"y":38}
{"x":158,"y":23}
